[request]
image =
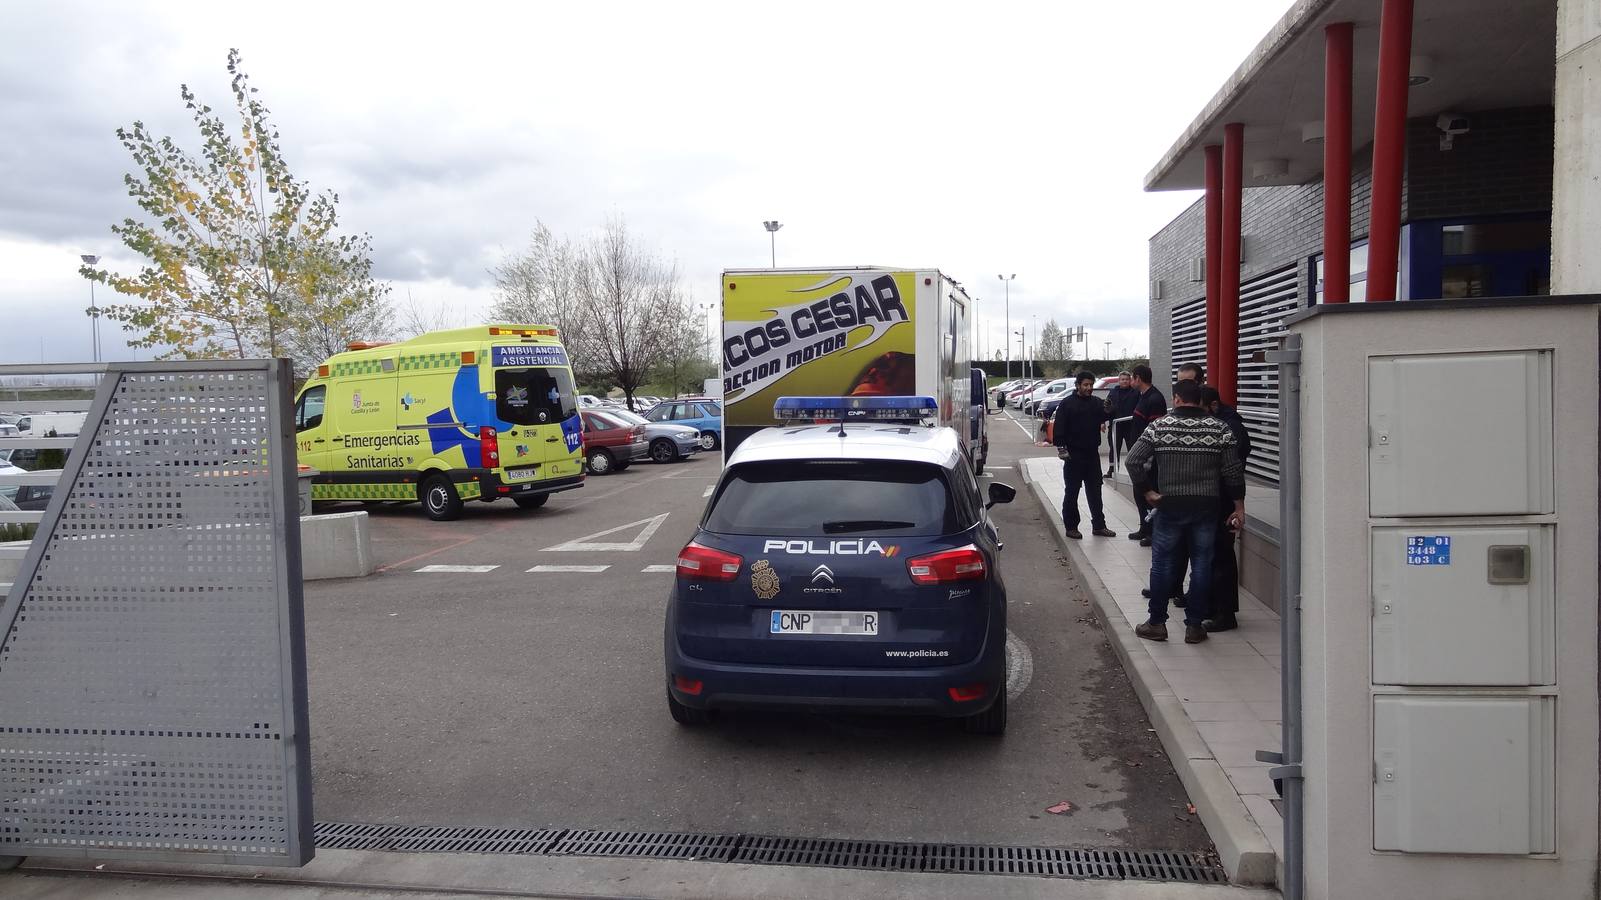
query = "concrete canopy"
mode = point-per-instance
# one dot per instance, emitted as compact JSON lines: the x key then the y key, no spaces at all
{"x":1481,"y":54}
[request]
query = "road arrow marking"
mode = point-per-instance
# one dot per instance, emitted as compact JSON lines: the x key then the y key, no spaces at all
{"x":590,"y":542}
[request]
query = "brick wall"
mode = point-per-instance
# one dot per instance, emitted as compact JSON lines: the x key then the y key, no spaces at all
{"x":1502,"y":165}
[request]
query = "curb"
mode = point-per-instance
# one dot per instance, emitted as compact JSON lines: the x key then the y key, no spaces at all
{"x":1247,"y":855}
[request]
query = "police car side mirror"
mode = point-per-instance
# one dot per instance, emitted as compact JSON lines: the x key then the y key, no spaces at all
{"x":1001,"y":493}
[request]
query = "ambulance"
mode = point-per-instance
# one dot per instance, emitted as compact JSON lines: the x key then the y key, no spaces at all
{"x":479,"y":413}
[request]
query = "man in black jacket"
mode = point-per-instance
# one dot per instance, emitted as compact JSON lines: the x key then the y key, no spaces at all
{"x":1120,"y":400}
{"x":1225,"y":567}
{"x":1148,"y":407}
{"x":1077,"y":434}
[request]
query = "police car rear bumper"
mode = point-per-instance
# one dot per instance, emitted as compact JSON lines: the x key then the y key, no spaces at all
{"x":911,"y":691}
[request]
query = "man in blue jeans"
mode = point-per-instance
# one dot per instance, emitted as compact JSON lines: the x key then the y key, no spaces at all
{"x":1186,"y":464}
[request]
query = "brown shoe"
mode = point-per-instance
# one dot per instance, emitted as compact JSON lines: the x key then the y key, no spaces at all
{"x":1152,"y":631}
{"x":1104,"y":532}
{"x":1194,"y":634}
{"x":1075,"y":534}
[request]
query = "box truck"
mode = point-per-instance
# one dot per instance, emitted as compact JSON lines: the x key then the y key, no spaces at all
{"x":850,"y":331}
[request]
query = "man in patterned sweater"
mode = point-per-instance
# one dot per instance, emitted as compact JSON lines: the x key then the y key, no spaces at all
{"x":1186,"y":465}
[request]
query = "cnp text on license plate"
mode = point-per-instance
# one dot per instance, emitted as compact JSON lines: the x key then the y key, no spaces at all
{"x":810,"y":621}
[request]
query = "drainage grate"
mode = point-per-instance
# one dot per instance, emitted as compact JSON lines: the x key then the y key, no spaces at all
{"x":838,"y":854}
{"x":970,"y":859}
{"x":647,"y":845}
{"x":1044,"y":861}
{"x":1169,"y":865}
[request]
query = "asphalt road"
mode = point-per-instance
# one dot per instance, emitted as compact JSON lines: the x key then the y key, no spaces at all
{"x":532,"y":699}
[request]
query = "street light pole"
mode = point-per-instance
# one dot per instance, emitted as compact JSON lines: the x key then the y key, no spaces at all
{"x":772,"y":226}
{"x":1007,"y":281}
{"x":1108,"y":349}
{"x":94,"y":311}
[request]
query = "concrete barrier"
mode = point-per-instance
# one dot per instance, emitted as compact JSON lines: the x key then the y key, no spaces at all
{"x":336,"y":545}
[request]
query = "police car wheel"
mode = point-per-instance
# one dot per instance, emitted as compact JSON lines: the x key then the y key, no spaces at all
{"x":600,"y":462}
{"x":439,"y":499}
{"x":708,"y":440}
{"x":687,"y":715}
{"x":663,"y":451}
{"x":531,"y":501}
{"x":990,"y":721}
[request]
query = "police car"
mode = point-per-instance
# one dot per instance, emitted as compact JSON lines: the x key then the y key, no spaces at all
{"x":848,"y":563}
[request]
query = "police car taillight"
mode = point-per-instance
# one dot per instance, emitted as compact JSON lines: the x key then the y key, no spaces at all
{"x":489,"y":445}
{"x":961,"y":564}
{"x":702,"y":563}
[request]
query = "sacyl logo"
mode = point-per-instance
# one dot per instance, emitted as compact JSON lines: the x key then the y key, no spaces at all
{"x":822,"y":573}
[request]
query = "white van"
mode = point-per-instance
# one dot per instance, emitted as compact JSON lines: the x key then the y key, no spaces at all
{"x":64,"y":424}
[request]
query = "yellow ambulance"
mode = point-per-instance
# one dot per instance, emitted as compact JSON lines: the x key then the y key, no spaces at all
{"x":467,"y":414}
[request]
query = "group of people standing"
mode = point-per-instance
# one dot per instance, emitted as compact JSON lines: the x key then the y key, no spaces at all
{"x":1187,"y":466}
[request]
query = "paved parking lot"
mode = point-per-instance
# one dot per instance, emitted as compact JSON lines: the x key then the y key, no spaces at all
{"x":505,"y":669}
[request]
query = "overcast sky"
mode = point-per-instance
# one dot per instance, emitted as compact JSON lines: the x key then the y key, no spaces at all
{"x":977,"y":138}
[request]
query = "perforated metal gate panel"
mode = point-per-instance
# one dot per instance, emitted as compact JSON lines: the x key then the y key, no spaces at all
{"x":152,"y":680}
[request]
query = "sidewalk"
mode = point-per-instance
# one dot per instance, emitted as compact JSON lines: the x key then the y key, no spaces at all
{"x":1213,"y":704}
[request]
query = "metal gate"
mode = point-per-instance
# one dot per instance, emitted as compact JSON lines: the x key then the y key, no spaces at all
{"x":152,"y":674}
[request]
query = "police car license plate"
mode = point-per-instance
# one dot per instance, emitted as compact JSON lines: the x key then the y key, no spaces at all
{"x":526,"y":473}
{"x":802,"y":621}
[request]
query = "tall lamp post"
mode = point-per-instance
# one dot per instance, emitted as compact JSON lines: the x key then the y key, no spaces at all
{"x":90,"y":259}
{"x":772,"y":226}
{"x":1022,"y":344}
{"x":1007,"y":281}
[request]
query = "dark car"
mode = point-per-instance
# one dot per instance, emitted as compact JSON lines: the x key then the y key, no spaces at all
{"x":859,"y":574}
{"x":610,"y":443}
{"x":977,"y":415}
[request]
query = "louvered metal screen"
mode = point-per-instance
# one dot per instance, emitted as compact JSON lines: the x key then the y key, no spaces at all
{"x":1264,"y":303}
{"x":152,"y":674}
{"x":1189,"y":335}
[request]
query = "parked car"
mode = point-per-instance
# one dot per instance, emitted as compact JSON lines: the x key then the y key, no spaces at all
{"x":1015,"y":396}
{"x":668,"y":442}
{"x":64,"y":424}
{"x":699,"y":413}
{"x":31,"y":496}
{"x":610,"y":443}
{"x":1104,"y":385}
{"x":590,"y":401}
{"x":978,"y":419}
{"x":14,"y":531}
{"x":1057,"y":388}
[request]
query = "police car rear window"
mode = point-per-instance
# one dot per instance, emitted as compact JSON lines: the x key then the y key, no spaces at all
{"x":534,"y":396}
{"x":805,"y":498}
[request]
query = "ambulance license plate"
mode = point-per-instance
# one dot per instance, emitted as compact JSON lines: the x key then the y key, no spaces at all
{"x":526,"y":473}
{"x":804,"y":621}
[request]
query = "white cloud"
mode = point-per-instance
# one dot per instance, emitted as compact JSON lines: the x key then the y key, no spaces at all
{"x":980,"y":139}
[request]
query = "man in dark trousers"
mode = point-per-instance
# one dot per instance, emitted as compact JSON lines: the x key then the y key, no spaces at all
{"x":1195,"y":372}
{"x":1077,"y":434}
{"x":1149,"y":405}
{"x":1225,"y":568}
{"x":1197,"y":471}
{"x":1120,"y":400}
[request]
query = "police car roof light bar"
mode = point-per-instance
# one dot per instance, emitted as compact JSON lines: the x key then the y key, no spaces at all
{"x":855,"y":409}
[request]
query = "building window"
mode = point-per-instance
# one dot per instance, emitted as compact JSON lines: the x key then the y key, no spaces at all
{"x":1359,"y":274}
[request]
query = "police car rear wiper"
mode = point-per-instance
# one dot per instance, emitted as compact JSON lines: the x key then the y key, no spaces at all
{"x":863,"y":525}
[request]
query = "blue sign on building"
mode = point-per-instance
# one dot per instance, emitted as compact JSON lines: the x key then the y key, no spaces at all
{"x":1428,"y":550}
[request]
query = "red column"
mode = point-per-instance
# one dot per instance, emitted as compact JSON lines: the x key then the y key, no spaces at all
{"x":1214,"y":249}
{"x":1225,"y":373}
{"x":1389,"y":147}
{"x":1337,"y":163}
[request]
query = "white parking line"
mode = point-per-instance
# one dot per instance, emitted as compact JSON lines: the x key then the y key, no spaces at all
{"x":588,"y":542}
{"x":588,"y":570}
{"x":1026,"y":433}
{"x":459,"y":569}
{"x":659,"y":569}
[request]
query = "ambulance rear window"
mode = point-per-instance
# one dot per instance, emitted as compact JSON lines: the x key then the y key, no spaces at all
{"x":534,"y":396}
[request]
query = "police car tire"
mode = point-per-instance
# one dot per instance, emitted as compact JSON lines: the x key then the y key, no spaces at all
{"x":709,"y":440}
{"x":606,"y":464}
{"x":439,"y":499}
{"x":990,"y":721}
{"x":663,"y":451}
{"x":687,"y":715}
{"x":531,"y":501}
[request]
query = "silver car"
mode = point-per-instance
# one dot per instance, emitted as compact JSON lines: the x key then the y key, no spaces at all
{"x":668,"y":442}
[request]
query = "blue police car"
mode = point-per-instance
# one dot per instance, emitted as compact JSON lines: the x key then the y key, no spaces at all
{"x":848,"y":566}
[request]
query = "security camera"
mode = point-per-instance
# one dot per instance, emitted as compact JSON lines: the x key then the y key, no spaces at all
{"x":1450,"y":125}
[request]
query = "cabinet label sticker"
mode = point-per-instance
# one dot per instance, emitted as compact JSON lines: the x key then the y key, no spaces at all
{"x":1428,"y":550}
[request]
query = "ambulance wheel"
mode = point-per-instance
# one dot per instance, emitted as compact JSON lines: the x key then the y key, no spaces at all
{"x":663,"y":451}
{"x":601,"y":462}
{"x":439,"y":499}
{"x":709,"y":440}
{"x":531,"y":501}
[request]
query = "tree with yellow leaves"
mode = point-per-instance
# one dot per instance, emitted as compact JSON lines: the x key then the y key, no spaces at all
{"x":243,"y":260}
